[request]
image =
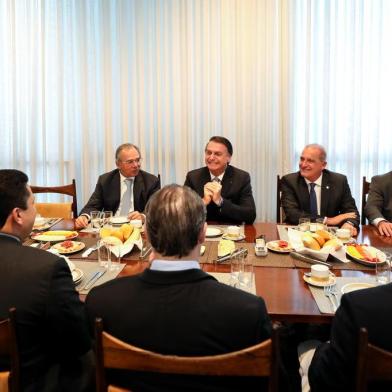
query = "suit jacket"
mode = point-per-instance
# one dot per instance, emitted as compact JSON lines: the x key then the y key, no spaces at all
{"x":333,"y":365}
{"x":335,"y":197}
{"x":106,"y":195}
{"x":50,"y":319}
{"x":238,"y":203}
{"x":182,"y":313}
{"x":379,"y":202}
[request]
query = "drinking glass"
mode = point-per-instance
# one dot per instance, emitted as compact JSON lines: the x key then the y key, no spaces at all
{"x":235,"y":269}
{"x":96,"y":220}
{"x":304,"y":224}
{"x":104,"y":258}
{"x":246,"y":276}
{"x":115,"y":256}
{"x":383,"y":270}
{"x":107,"y":219}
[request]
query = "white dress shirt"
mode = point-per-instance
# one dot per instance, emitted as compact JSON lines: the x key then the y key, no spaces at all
{"x":123,"y":189}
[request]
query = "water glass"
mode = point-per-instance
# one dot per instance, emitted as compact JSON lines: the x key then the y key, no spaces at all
{"x":235,"y":269}
{"x":304,"y":224}
{"x":383,"y":270}
{"x":96,"y":220}
{"x":246,"y":277}
{"x":115,"y":256}
{"x":104,"y":258}
{"x":107,"y":219}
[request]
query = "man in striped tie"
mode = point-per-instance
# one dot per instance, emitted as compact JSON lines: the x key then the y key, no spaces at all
{"x":316,"y":192}
{"x":125,"y":190}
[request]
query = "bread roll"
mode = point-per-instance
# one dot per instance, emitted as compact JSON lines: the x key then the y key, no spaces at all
{"x":319,"y":239}
{"x":325,"y":234}
{"x":334,"y":244}
{"x":112,"y":240}
{"x":310,"y":242}
{"x":126,"y":230}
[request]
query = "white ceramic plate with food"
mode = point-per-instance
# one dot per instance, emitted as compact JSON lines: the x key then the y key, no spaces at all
{"x":279,"y":246}
{"x":349,"y":287}
{"x":68,"y":247}
{"x":370,"y":251}
{"x":320,"y":283}
{"x":231,"y":237}
{"x":55,"y":235}
{"x":119,"y":220}
{"x":77,"y":275}
{"x":213,"y":232}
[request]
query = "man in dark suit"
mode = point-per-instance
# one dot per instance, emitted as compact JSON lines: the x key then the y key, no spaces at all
{"x":50,"y":319}
{"x":378,"y":208}
{"x":316,"y":192}
{"x":175,"y":307}
{"x":125,"y":191}
{"x":226,"y":190}
{"x":333,"y":364}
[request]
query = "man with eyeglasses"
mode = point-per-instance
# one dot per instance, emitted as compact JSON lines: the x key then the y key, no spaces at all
{"x":225,"y":189}
{"x":125,"y":190}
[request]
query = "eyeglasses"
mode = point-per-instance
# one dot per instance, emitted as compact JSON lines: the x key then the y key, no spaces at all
{"x":136,"y":161}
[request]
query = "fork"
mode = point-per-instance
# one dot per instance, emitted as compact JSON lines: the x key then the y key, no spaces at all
{"x":331,"y":293}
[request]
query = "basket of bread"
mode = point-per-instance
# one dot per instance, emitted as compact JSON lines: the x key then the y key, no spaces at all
{"x":122,"y":239}
{"x":319,"y":244}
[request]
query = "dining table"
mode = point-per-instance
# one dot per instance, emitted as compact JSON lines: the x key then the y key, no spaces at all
{"x":278,"y":277}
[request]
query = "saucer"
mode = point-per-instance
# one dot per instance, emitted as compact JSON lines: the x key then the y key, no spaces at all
{"x":227,"y":237}
{"x":330,"y":282}
{"x":349,"y":287}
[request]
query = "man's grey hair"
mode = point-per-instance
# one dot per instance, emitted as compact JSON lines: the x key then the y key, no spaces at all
{"x":323,"y":152}
{"x":175,"y":215}
{"x":126,"y":146}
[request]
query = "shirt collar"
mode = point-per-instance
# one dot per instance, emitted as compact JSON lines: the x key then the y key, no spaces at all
{"x":123,"y":178}
{"x":220,"y":176}
{"x":10,"y":236}
{"x":174,"y":265}
{"x":317,"y":182}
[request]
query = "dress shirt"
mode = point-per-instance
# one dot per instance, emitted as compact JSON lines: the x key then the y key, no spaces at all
{"x":10,"y":236}
{"x":175,"y":265}
{"x":123,"y":189}
{"x":317,"y":190}
{"x":220,"y":177}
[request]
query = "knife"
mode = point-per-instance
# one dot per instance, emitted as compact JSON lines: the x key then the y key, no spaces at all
{"x":93,"y":279}
{"x":237,"y":252}
{"x":307,"y":259}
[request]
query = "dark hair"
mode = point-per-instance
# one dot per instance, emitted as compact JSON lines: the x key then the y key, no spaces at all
{"x":125,"y":146}
{"x":13,"y":192}
{"x":224,"y":141}
{"x":174,"y":217}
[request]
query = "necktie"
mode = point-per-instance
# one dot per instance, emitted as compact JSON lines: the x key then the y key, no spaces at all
{"x":127,"y":198}
{"x":313,"y":201}
{"x":216,"y":179}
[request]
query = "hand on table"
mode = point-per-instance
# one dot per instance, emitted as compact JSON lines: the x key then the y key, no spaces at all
{"x":338,"y":219}
{"x":81,"y":222}
{"x":385,"y":228}
{"x":353,"y":230}
{"x":136,"y":215}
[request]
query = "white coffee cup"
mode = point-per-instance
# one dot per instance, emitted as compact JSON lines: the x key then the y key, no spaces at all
{"x":343,"y":234}
{"x":319,"y":272}
{"x":233,"y":231}
{"x":136,"y":223}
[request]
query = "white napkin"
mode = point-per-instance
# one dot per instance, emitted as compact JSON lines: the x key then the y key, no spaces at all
{"x":122,"y":250}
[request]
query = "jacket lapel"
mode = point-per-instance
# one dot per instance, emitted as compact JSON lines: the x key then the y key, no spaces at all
{"x":325,"y":189}
{"x":303,"y":193}
{"x":227,"y":181}
{"x":138,"y":188}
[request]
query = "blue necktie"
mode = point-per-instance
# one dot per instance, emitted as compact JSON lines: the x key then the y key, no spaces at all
{"x":313,"y":201}
{"x":127,"y":199}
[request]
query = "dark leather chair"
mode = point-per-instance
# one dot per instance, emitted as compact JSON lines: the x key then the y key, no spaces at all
{"x":373,"y":363}
{"x":365,"y":191}
{"x":279,"y":208}
{"x":9,"y":378}
{"x":259,"y":360}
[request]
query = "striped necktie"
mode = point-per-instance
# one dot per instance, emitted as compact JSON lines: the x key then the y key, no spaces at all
{"x":217,"y":179}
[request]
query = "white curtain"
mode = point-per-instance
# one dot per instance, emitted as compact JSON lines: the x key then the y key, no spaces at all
{"x":78,"y":78}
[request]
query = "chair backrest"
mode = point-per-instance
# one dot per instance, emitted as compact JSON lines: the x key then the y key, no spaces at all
{"x":69,"y":190}
{"x":365,"y":191}
{"x":373,"y":363}
{"x":279,"y":209}
{"x":259,"y":360}
{"x":9,"y":349}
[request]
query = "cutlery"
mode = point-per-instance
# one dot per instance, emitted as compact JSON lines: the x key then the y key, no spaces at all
{"x":235,"y":253}
{"x":328,"y":293}
{"x":95,"y":276}
{"x":309,"y":260}
{"x":146,"y":250}
{"x":87,"y":252}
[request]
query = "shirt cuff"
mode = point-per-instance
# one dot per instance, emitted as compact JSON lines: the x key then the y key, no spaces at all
{"x":376,"y":221}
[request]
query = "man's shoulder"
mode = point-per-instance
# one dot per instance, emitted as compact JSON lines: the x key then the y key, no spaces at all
{"x":334,"y":176}
{"x":103,"y":178}
{"x":147,"y":176}
{"x":235,"y":171}
{"x":197,"y":172}
{"x":291,"y":177}
{"x":386,"y":177}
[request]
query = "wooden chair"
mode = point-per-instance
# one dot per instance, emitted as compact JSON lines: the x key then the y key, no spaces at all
{"x":279,"y":209}
{"x":259,"y":360}
{"x":58,"y":210}
{"x":373,"y":364}
{"x":365,"y":191}
{"x":9,"y":380}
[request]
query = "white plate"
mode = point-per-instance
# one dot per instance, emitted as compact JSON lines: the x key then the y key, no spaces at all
{"x":213,"y":232}
{"x":119,"y":220}
{"x":349,"y":287}
{"x":330,"y":282}
{"x":76,"y":247}
{"x":77,"y":275}
{"x":227,"y":237}
{"x":368,"y":263}
{"x":63,"y":235}
{"x":274,"y":246}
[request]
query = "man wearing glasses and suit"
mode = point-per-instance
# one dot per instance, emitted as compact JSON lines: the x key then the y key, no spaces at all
{"x":225,"y":189}
{"x":125,"y":190}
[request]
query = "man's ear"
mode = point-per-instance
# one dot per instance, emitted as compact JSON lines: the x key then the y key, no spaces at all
{"x":202,"y":234}
{"x":17,"y":216}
